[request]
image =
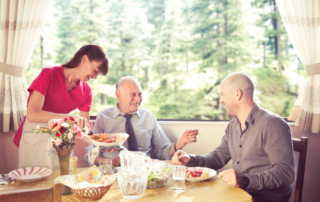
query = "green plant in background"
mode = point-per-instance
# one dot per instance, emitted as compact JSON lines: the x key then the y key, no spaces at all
{"x":179,"y":50}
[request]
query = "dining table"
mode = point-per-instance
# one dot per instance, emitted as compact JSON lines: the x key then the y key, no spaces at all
{"x":213,"y":190}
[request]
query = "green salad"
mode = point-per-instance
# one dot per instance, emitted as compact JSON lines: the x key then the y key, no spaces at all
{"x":158,"y":179}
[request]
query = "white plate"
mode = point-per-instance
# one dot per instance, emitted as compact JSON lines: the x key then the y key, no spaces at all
{"x":30,"y":174}
{"x":89,"y":140}
{"x":210,"y":171}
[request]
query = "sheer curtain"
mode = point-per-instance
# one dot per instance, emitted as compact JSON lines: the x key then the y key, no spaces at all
{"x":20,"y":26}
{"x":302,"y":22}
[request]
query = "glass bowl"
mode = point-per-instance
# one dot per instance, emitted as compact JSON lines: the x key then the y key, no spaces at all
{"x":159,"y":174}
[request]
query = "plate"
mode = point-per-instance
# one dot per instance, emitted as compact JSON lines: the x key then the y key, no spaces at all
{"x":30,"y":174}
{"x":88,"y":139}
{"x":210,"y":171}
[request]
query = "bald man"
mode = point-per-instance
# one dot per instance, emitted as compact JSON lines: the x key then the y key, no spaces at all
{"x":258,"y":142}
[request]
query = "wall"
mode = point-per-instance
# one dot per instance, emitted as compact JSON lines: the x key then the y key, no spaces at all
{"x":210,"y":134}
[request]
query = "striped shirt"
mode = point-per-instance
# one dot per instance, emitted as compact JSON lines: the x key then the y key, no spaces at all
{"x":151,"y":139}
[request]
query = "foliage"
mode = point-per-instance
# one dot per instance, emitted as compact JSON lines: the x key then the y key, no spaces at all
{"x":180,"y":50}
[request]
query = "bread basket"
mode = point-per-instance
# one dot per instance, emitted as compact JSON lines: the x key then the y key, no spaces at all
{"x":91,"y":193}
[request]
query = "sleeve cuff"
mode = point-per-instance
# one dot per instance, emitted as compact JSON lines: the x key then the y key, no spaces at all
{"x":84,"y":109}
{"x":193,"y":161}
{"x":253,"y":184}
{"x":166,"y":151}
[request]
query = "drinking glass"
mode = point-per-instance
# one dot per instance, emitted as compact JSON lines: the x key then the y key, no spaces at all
{"x":179,"y":175}
{"x":105,"y":166}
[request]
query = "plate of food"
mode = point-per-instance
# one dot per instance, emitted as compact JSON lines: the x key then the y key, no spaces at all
{"x":198,"y":174}
{"x":30,"y":174}
{"x":107,"y":140}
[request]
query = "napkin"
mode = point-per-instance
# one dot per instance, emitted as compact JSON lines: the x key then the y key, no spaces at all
{"x":6,"y":180}
{"x":91,"y":177}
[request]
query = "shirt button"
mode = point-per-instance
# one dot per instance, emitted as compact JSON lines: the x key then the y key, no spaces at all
{"x":240,"y":146}
{"x":238,"y":162}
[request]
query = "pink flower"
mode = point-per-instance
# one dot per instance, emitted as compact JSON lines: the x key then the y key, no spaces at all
{"x":75,"y":129}
{"x":58,"y":142}
{"x":79,"y":134}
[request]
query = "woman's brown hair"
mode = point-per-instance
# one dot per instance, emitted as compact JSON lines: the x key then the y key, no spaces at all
{"x":94,"y":53}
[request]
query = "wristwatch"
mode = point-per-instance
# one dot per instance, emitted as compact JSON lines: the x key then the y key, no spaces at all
{"x":244,"y":181}
{"x":174,"y":146}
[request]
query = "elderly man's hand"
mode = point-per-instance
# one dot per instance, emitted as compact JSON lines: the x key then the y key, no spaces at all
{"x":106,"y":149}
{"x":231,"y":178}
{"x":180,"y":158}
{"x":116,"y":161}
{"x":189,"y":136}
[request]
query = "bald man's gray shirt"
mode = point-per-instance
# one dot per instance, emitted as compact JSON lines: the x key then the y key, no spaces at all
{"x":262,"y":151}
{"x":151,"y":139}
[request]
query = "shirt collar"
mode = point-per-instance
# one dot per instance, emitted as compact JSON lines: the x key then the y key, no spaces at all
{"x":117,"y":111}
{"x":252,"y":114}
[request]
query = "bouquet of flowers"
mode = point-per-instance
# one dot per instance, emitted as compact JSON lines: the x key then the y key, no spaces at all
{"x":62,"y":131}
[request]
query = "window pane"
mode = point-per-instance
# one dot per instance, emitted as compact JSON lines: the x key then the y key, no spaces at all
{"x":180,"y":50}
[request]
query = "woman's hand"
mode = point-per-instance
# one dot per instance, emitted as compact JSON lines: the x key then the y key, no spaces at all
{"x":80,"y":121}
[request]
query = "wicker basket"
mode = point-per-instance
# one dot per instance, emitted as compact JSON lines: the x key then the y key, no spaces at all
{"x":91,"y":193}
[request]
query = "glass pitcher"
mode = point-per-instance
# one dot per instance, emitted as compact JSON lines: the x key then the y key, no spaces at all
{"x":133,"y":174}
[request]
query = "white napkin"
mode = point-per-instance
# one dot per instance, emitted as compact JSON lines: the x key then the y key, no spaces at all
{"x":86,"y":184}
{"x":3,"y":181}
{"x":92,"y":155}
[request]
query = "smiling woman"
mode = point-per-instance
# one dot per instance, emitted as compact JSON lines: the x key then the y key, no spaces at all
{"x":92,"y":60}
{"x":53,"y":95}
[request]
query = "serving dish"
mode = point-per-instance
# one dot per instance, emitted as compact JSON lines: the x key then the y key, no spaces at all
{"x":104,"y":144}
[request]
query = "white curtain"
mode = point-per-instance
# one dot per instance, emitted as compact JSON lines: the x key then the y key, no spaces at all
{"x":20,"y":26}
{"x":302,"y":22}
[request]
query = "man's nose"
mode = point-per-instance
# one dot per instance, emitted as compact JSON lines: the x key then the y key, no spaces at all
{"x":137,"y":98}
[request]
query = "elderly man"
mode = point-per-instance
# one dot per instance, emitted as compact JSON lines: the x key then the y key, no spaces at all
{"x":145,"y":134}
{"x":258,"y":142}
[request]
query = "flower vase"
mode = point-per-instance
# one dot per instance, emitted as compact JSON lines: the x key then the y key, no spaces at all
{"x":64,"y":155}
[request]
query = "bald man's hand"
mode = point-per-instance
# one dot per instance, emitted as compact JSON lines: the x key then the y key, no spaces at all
{"x":180,"y":158}
{"x":231,"y":178}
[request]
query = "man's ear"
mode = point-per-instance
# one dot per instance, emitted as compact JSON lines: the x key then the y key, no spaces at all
{"x":118,"y":95}
{"x":239,"y":94}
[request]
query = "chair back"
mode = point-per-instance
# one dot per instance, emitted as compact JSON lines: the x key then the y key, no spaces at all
{"x":301,"y":147}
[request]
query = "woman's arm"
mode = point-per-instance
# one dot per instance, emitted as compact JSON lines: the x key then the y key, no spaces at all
{"x":85,"y":115}
{"x":35,"y":114}
{"x":87,"y":118}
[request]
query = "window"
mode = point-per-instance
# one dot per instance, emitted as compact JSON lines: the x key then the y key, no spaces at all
{"x":180,"y":50}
